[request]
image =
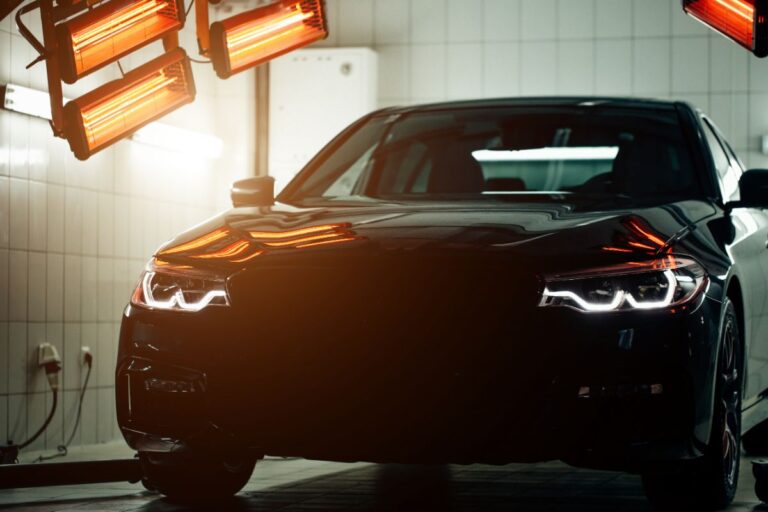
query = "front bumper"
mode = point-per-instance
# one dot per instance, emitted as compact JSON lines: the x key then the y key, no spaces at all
{"x":603,"y":390}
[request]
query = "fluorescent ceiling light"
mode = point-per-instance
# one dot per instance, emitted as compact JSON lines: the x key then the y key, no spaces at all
{"x":547,"y":154}
{"x":180,"y":140}
{"x":38,"y":104}
{"x":27,"y":101}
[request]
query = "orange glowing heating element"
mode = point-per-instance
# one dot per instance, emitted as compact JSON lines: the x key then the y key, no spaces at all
{"x":739,"y":8}
{"x":734,"y":18}
{"x":100,"y":121}
{"x":257,"y":36}
{"x":112,"y":30}
{"x":116,"y":109}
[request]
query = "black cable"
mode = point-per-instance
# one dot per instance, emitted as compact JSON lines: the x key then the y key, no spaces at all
{"x":45,"y":425}
{"x":63,"y":449}
{"x":189,"y":8}
{"x":121,"y":68}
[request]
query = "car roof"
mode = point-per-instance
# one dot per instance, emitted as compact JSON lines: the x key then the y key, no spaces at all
{"x":542,"y":101}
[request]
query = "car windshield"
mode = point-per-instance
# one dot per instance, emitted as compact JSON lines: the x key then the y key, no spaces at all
{"x":512,"y":153}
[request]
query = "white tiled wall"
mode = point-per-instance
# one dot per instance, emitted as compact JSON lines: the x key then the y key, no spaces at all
{"x":433,"y":50}
{"x":74,"y":235}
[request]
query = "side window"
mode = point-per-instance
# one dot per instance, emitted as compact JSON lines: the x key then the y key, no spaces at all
{"x":735,"y":160}
{"x":344,"y":186}
{"x":727,"y":173}
{"x":404,"y":170}
{"x":718,"y":153}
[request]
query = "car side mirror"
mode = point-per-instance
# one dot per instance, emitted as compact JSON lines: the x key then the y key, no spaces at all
{"x":257,"y":191}
{"x":753,"y":187}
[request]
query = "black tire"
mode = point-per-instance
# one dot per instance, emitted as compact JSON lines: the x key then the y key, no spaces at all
{"x":709,"y":483}
{"x":755,"y":442}
{"x":192,"y":480}
{"x":761,"y":491}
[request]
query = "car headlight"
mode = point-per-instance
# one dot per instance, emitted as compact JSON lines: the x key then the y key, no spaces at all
{"x":665,"y":283}
{"x":179,"y":288}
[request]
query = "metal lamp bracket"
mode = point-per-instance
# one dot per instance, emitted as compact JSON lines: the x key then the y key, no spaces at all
{"x":203,"y":28}
{"x":48,"y":18}
{"x":48,"y":15}
{"x":47,"y":50}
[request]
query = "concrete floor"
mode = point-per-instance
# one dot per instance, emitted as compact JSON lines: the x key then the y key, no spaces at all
{"x":291,"y":485}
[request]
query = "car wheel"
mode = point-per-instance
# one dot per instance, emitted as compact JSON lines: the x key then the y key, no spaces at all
{"x":760,"y":472}
{"x":194,"y":479}
{"x":761,"y":491}
{"x":709,"y":483}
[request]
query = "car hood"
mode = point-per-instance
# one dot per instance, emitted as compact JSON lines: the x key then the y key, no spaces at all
{"x":546,"y":234}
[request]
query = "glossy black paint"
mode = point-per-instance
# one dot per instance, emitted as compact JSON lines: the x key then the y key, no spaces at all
{"x":419,"y":339}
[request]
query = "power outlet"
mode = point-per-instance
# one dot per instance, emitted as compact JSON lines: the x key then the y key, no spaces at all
{"x":47,"y":356}
{"x":86,"y":356}
{"x":49,"y":359}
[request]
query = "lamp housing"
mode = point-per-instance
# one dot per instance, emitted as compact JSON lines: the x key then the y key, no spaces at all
{"x":118,"y":108}
{"x":112,"y":30}
{"x":254,"y":37}
{"x":743,"y":21}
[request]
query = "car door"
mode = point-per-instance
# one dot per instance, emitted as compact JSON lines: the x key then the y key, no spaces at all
{"x":750,"y":252}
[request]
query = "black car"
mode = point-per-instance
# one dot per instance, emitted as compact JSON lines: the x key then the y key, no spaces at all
{"x":497,"y":281}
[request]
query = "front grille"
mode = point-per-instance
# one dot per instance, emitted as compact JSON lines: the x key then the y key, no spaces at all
{"x":407,"y":343}
{"x":416,"y":324}
{"x":385,"y":300}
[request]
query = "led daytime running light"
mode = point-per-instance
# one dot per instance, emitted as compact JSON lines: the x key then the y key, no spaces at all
{"x":665,"y":302}
{"x":177,"y":300}
{"x":618,"y":300}
{"x":682,"y":277}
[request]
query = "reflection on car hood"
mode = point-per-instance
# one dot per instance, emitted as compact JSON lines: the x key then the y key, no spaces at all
{"x":545,"y":234}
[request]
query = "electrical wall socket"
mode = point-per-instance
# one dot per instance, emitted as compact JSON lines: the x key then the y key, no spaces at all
{"x":47,"y":354}
{"x":48,"y":358}
{"x":84,"y":353}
